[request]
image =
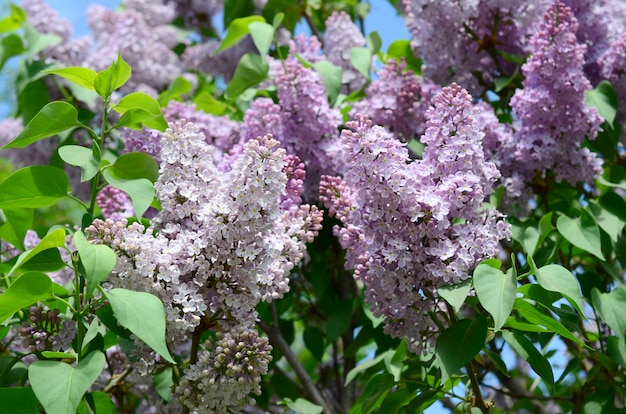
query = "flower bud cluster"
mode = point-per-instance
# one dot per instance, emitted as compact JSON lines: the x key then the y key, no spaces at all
{"x":45,"y":330}
{"x":228,"y":370}
{"x":411,"y":227}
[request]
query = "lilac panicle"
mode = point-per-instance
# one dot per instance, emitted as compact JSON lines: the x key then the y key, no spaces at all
{"x":411,"y":227}
{"x":397,"y":100}
{"x":223,"y":242}
{"x":551,"y":110}
{"x":340,"y":37}
{"x":114,"y":203}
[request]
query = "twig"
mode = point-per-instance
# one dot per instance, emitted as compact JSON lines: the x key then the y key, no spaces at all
{"x":115,"y":379}
{"x":277,"y":339}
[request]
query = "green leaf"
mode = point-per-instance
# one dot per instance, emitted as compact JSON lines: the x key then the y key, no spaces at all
{"x":13,"y":21}
{"x":81,"y":157}
{"x":10,"y":46}
{"x":59,"y":387}
{"x":18,"y":400}
{"x":250,"y":70}
{"x":262,"y":36}
{"x":339,"y":321}
{"x":610,"y":307}
{"x":138,"y":110}
{"x":395,"y":363}
{"x":496,"y":291}
{"x":374,"y":41}
{"x":18,"y":221}
{"x":527,"y":351}
{"x":617,"y":350}
{"x":582,"y":232}
{"x":527,"y":236}
{"x":611,"y":223}
{"x":331,"y":78}
{"x":134,"y":173}
{"x":163,"y":382}
{"x":237,"y":29}
{"x":53,"y":118}
{"x":459,"y":344}
{"x":100,"y":403}
{"x":179,"y":87}
{"x":558,"y":279}
{"x":361,"y":59}
{"x":534,"y":316}
{"x":97,"y":261}
{"x":58,"y":355}
{"x":365,"y":365}
{"x":37,"y":42}
{"x":135,"y":165}
{"x":237,"y":8}
{"x":207,"y":103}
{"x":302,"y":406}
{"x":401,"y":49}
{"x":25,"y":291}
{"x":84,"y":77}
{"x":455,"y":294}
{"x":604,"y":99}
{"x":373,"y":395}
{"x":314,"y":340}
{"x":133,"y":310}
{"x":53,"y":239}
{"x":112,"y":78}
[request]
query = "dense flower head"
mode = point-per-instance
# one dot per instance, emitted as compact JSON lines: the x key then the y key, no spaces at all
{"x":613,"y":68}
{"x":309,"y":124}
{"x":397,"y":100}
{"x":222,"y":242}
{"x":144,"y":44}
{"x":340,"y":37}
{"x":410,"y":227}
{"x":454,"y":38}
{"x":227,"y":371}
{"x":551,"y":110}
{"x":114,"y":203}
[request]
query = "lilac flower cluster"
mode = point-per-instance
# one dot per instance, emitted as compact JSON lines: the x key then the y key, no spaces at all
{"x":114,"y":203}
{"x":340,"y":37}
{"x":397,"y":100}
{"x":200,"y":57}
{"x":221,"y":243}
{"x":454,"y":38}
{"x":48,"y":21}
{"x":613,"y":68}
{"x":554,"y":91}
{"x":411,"y":227}
{"x":140,"y":33}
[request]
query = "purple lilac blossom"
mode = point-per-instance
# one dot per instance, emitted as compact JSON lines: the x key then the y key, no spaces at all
{"x":397,"y":100}
{"x":552,"y":116}
{"x":411,"y":227}
{"x":46,"y":20}
{"x":114,"y":203}
{"x":613,"y":68}
{"x":340,"y":37}
{"x":310,"y":125}
{"x":140,"y":35}
{"x":221,"y":244}
{"x":454,"y":38}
